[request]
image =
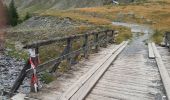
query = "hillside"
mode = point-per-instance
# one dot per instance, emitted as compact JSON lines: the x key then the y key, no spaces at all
{"x":53,"y":22}
{"x":37,"y":5}
{"x":41,"y":5}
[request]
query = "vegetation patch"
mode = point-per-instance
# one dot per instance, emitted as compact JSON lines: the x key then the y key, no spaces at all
{"x":157,"y":37}
{"x":124,"y":34}
{"x":77,"y":16}
{"x":13,"y":52}
{"x":47,"y":77}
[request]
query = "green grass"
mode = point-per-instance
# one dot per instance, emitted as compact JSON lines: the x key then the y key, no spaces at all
{"x":157,"y":37}
{"x":47,"y":78}
{"x":18,"y":54}
{"x":123,"y":34}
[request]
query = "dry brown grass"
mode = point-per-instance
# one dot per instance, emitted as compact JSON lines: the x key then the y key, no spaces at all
{"x":157,"y":11}
{"x":77,"y":16}
{"x":154,"y":12}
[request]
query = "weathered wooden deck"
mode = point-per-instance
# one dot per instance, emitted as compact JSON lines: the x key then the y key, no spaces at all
{"x":132,"y":76}
{"x":131,"y":71}
{"x":58,"y":87}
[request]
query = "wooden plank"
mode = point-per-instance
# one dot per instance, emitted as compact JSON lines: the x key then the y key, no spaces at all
{"x":130,"y":86}
{"x":143,"y":87}
{"x":85,"y":89}
{"x":118,"y":95}
{"x":151,"y":54}
{"x":163,"y":71}
{"x":124,"y":91}
{"x":74,"y":88}
{"x":99,"y":97}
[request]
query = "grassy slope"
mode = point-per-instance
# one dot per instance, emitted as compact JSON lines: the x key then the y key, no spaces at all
{"x":41,"y":5}
{"x":154,"y":12}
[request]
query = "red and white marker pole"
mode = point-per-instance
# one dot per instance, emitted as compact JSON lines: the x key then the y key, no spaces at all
{"x":34,"y":61}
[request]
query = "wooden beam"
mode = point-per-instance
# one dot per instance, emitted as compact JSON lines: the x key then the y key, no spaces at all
{"x":96,"y":41}
{"x":59,"y":39}
{"x":163,"y":71}
{"x":85,"y":46}
{"x":151,"y":53}
{"x":69,"y":48}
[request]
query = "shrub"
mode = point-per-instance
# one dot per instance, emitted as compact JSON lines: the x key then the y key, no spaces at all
{"x":47,"y":77}
{"x":13,"y":14}
{"x":157,"y":37}
{"x":27,"y":16}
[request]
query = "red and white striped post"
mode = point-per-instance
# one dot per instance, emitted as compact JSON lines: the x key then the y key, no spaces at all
{"x":34,"y":61}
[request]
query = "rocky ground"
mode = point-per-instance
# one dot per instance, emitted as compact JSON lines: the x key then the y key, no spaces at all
{"x":44,"y":27}
{"x":9,"y":71}
{"x":41,"y":28}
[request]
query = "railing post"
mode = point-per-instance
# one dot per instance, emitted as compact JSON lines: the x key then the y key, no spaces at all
{"x":69,"y":46}
{"x":165,"y":38}
{"x":96,"y":42}
{"x":106,"y":39}
{"x":34,"y":61}
{"x":112,"y":37}
{"x":85,"y":46}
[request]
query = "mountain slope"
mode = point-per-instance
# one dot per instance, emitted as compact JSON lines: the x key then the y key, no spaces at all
{"x":59,"y":4}
{"x":36,"y":5}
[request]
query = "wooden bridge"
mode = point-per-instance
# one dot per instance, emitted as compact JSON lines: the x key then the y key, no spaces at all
{"x":128,"y":71}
